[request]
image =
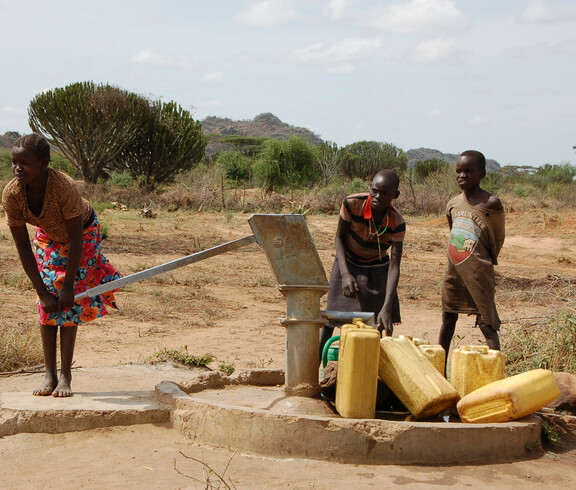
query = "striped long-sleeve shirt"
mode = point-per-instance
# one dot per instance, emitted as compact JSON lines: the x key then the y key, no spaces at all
{"x":367,"y":245}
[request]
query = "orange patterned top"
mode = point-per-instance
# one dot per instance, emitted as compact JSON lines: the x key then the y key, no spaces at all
{"x":62,"y":201}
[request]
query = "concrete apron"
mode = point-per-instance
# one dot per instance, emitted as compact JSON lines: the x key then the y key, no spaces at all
{"x":250,"y":412}
{"x":24,"y":412}
{"x":243,"y":415}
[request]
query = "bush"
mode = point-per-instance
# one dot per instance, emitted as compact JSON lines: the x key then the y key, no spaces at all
{"x":550,"y":346}
{"x":236,"y":166}
{"x":121,"y":179}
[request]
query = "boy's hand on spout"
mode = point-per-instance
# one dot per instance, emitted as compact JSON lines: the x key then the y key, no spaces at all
{"x":385,"y":324}
{"x":349,"y":286}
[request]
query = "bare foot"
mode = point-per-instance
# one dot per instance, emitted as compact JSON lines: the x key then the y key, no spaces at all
{"x":63,"y":388}
{"x":47,"y":388}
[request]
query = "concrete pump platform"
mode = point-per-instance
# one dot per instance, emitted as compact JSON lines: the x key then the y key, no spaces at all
{"x":250,"y":412}
{"x":241,"y":413}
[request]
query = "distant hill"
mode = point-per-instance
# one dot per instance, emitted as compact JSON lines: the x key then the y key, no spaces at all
{"x":269,"y":126}
{"x":262,"y":126}
{"x":428,"y":154}
{"x":8,"y":138}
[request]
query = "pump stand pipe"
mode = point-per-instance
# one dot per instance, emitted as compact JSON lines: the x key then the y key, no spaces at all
{"x":302,"y":323}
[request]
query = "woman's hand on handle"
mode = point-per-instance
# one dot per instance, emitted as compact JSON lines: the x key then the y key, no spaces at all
{"x":65,"y":298}
{"x":48,"y":302}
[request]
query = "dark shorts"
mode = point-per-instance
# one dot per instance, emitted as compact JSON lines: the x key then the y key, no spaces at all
{"x":372,"y":284}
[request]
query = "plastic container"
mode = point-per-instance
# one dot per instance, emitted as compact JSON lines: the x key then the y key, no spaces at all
{"x":510,"y":398}
{"x":357,"y":377}
{"x":413,"y":379}
{"x":475,"y":366}
{"x":344,"y":329}
{"x":435,"y":353}
{"x":330,"y":352}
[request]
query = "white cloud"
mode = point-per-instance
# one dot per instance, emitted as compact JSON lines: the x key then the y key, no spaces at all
{"x":478,"y":121}
{"x":440,"y":50}
{"x":346,"y":50}
{"x":267,"y":13}
{"x":337,"y":9}
{"x":340,"y":57}
{"x":435,"y":114}
{"x":41,"y":91}
{"x":214,"y":77}
{"x":549,"y":12}
{"x":417,"y":16}
{"x":150,"y":58}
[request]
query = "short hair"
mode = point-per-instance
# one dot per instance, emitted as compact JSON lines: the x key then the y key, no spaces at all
{"x":36,"y":144}
{"x":388,"y":174}
{"x":480,"y":158}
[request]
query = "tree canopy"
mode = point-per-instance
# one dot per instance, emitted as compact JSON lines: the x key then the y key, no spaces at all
{"x":328,"y":160}
{"x":170,"y":141}
{"x":424,"y":168}
{"x":285,"y":162}
{"x":364,"y":159}
{"x":102,"y":127}
{"x":90,"y":124}
{"x":248,"y":145}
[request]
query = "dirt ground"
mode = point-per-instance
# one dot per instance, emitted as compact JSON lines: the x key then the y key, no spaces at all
{"x":229,"y":306}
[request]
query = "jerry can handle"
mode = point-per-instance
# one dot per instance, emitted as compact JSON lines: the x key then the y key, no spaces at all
{"x":327,"y":345}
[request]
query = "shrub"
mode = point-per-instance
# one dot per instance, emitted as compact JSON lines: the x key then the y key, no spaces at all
{"x":549,"y":346}
{"x":236,"y":166}
{"x":121,"y":179}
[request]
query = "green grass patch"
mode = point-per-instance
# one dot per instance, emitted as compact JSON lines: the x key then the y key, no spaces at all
{"x":226,"y":368}
{"x":180,"y":357}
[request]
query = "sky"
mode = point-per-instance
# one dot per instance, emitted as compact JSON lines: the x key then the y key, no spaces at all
{"x":497,"y":76}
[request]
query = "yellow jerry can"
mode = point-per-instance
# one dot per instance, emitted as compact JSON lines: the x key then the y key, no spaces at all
{"x":413,"y":379}
{"x":357,"y":377}
{"x":510,"y":398}
{"x":435,"y":353}
{"x":475,"y":366}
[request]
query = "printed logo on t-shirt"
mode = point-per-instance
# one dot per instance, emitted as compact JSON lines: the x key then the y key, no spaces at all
{"x":464,"y":237}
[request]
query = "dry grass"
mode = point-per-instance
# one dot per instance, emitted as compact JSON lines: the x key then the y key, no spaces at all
{"x":545,"y":339}
{"x":549,"y":345}
{"x":531,"y":294}
{"x":20,"y":346}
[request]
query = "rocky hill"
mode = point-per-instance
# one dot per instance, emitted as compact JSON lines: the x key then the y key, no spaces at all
{"x":8,"y":138}
{"x":429,"y":154}
{"x":262,"y":126}
{"x":269,"y":126}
